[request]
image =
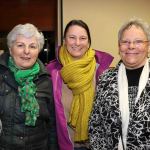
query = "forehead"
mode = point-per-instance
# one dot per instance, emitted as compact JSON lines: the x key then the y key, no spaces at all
{"x":134,"y":31}
{"x":76,"y":30}
{"x":23,"y":39}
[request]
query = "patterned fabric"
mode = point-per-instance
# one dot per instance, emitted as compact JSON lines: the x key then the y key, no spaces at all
{"x":132,"y":93}
{"x":78,"y":75}
{"x":27,"y":90}
{"x":105,"y":121}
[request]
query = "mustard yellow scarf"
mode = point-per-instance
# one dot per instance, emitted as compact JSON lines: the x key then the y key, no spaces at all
{"x":78,"y":75}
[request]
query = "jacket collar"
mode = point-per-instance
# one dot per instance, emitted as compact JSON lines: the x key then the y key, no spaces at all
{"x":8,"y":75}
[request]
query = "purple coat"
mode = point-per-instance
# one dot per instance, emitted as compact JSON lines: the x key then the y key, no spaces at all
{"x":104,"y":60}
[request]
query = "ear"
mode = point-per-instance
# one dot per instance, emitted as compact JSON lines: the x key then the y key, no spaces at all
{"x":148,"y":53}
{"x":149,"y":46}
{"x":119,"y":49}
{"x":10,"y":51}
{"x":64,"y":42}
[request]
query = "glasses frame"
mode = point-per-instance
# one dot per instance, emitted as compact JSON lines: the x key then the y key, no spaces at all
{"x":136,"y":43}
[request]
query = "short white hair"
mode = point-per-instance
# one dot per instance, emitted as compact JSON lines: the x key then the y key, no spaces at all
{"x":27,"y":30}
{"x":136,"y":22}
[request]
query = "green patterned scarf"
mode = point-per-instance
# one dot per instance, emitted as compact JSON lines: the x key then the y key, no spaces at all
{"x":27,"y":90}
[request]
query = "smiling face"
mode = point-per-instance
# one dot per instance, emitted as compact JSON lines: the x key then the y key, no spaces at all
{"x":25,"y":51}
{"x":76,"y":41}
{"x":133,"y":47}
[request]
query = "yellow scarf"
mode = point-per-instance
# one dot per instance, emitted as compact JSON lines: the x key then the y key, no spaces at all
{"x":78,"y":75}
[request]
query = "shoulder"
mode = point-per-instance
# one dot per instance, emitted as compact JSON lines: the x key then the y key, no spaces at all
{"x":102,"y":56}
{"x":108,"y":75}
{"x":4,"y":60}
{"x":4,"y":69}
{"x":103,"y":60}
{"x":53,"y":65}
{"x":43,"y":84}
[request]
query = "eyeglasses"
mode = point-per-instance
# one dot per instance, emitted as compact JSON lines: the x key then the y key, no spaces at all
{"x":137,"y":43}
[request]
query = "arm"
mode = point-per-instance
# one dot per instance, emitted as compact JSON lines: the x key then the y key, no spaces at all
{"x":104,"y":60}
{"x":45,"y":91}
{"x":52,"y":141}
{"x":95,"y":121}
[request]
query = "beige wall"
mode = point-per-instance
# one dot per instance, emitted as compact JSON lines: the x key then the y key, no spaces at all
{"x":104,"y":18}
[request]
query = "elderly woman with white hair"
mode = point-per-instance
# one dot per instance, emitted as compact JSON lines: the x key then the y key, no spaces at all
{"x":120,"y":118}
{"x":27,"y":109}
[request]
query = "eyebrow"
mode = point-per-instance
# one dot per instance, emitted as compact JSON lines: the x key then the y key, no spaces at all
{"x":79,"y":36}
{"x":24,"y":43}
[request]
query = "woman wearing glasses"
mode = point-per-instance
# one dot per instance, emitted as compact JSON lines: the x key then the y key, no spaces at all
{"x":120,"y":117}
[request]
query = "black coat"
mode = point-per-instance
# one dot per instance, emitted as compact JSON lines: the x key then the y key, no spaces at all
{"x":15,"y":134}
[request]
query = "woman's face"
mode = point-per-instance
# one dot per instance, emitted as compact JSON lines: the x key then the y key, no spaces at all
{"x":25,"y":51}
{"x":76,"y":41}
{"x":133,"y":47}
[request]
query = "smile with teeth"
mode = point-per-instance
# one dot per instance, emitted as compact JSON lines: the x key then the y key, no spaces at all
{"x":76,"y":48}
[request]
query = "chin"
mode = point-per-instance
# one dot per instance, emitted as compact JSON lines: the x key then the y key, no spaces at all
{"x":25,"y":67}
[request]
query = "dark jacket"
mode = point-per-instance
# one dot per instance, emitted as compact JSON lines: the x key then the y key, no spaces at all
{"x":15,"y":135}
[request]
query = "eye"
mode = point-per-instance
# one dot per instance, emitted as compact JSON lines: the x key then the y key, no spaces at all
{"x":33,"y":46}
{"x":72,"y":37}
{"x":20,"y":45}
{"x":124,"y":42}
{"x":139,"y":42}
{"x":83,"y":38}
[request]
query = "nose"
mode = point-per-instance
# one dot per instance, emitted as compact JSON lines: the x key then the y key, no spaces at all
{"x":26,"y":50}
{"x":77,"y":41}
{"x":131,"y":45}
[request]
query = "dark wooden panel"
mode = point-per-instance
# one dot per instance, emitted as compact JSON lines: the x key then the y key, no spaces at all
{"x":42,"y":13}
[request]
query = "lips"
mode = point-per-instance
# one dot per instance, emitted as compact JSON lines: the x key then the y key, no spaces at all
{"x":76,"y":49}
{"x":25,"y":58}
{"x":131,"y":53}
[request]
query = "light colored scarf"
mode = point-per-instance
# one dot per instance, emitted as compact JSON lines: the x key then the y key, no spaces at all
{"x":78,"y":75}
{"x":123,"y":97}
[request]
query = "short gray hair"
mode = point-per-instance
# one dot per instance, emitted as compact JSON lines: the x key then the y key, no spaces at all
{"x":27,"y":30}
{"x":138,"y":23}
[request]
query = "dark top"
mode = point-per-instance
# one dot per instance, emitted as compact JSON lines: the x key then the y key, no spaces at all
{"x":133,"y":76}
